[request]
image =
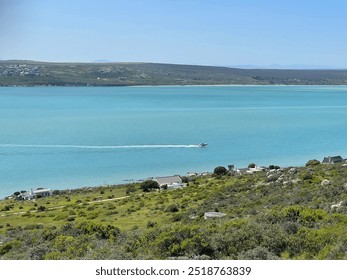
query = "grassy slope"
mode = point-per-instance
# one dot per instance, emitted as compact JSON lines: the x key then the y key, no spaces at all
{"x":127,"y":74}
{"x":280,"y":215}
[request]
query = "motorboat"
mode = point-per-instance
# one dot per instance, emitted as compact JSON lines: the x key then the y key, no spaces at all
{"x":203,"y":145}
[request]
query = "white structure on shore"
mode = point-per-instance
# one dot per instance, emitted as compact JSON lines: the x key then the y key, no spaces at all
{"x":38,"y":193}
{"x":171,"y":182}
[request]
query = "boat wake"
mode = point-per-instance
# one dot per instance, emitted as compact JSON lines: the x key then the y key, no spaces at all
{"x":96,"y":147}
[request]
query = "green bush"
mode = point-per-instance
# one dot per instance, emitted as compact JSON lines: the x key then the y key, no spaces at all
{"x":149,"y":185}
{"x":258,"y":253}
{"x":41,"y":208}
{"x":151,"y":224}
{"x":172,"y":208}
{"x":312,"y":162}
{"x":130,"y":189}
{"x":220,"y":170}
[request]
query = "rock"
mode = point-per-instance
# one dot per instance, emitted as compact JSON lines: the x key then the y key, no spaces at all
{"x":213,"y":215}
{"x":280,"y":179}
{"x":272,"y":172}
{"x":337,"y":206}
{"x":325,"y":182}
{"x":292,"y":170}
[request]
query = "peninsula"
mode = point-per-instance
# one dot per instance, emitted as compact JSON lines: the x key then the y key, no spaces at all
{"x":33,"y":73}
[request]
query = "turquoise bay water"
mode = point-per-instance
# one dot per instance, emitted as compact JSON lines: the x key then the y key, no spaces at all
{"x":61,"y":137}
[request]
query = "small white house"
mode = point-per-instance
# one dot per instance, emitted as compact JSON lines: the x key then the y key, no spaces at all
{"x":254,"y":169}
{"x":42,"y":192}
{"x":38,"y":193}
{"x":25,"y":196}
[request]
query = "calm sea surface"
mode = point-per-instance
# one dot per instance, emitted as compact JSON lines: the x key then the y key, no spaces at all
{"x":62,"y":137}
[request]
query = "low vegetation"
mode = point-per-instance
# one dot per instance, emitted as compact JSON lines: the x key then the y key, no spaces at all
{"x":290,"y":213}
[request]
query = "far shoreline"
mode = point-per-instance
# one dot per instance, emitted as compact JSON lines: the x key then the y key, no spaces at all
{"x":167,"y":86}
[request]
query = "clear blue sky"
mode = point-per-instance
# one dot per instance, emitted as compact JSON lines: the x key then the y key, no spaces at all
{"x":205,"y":32}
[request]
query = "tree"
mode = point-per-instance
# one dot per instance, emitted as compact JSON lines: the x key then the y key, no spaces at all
{"x":231,"y":167}
{"x":251,"y":165}
{"x":149,"y":185}
{"x":274,"y":167}
{"x":220,"y":170}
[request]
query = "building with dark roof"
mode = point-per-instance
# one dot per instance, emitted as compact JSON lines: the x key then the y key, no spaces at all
{"x":332,"y":160}
{"x":172,"y":182}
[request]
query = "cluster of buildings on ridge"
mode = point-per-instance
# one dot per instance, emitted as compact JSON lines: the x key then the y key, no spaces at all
{"x":10,"y":70}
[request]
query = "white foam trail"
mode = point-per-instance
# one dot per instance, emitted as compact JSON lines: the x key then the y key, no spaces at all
{"x":285,"y":107}
{"x":96,"y":147}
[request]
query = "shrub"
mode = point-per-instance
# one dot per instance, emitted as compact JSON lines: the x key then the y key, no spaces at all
{"x":149,"y":185}
{"x":307,"y":176}
{"x":92,"y":215}
{"x":71,"y":218}
{"x":41,"y":208}
{"x":151,"y":224}
{"x":172,"y":208}
{"x":177,"y":217}
{"x":258,"y":253}
{"x":220,"y":170}
{"x":130,"y":189}
{"x":312,"y":162}
{"x":274,"y":167}
{"x":6,"y":208}
{"x":185,"y":179}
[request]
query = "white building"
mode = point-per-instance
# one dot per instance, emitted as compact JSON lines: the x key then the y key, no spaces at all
{"x":172,"y":182}
{"x":38,"y":193}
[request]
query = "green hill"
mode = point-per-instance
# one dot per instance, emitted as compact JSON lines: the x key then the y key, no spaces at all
{"x":31,"y":73}
{"x":290,"y":213}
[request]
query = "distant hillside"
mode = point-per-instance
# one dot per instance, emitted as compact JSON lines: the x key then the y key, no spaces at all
{"x":32,"y":73}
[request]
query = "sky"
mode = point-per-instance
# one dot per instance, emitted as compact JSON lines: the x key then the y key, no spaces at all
{"x":245,"y":33}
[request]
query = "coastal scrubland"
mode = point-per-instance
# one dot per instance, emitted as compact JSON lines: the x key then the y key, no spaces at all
{"x":33,"y":73}
{"x":276,"y":213}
